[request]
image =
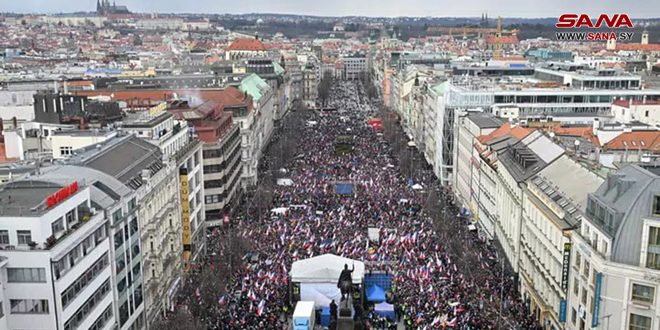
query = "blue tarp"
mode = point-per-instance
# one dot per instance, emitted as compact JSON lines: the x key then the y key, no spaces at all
{"x":344,"y":188}
{"x":383,"y":280}
{"x":375,"y":294}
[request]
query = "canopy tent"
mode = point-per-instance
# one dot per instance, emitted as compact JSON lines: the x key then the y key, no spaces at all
{"x":417,"y":186}
{"x":375,"y":294}
{"x":383,"y":280}
{"x":284,"y":182}
{"x":386,"y":310}
{"x":279,"y":210}
{"x":318,"y":277}
{"x":344,"y":188}
{"x":325,"y":269}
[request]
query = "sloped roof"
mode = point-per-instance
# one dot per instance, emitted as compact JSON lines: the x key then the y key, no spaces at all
{"x":249,"y":44}
{"x":636,"y":140}
{"x":503,"y":39}
{"x":254,"y":86}
{"x":647,"y":47}
{"x":517,"y":132}
{"x":585,"y":132}
{"x":123,"y":159}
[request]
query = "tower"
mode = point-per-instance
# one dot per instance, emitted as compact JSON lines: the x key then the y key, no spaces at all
{"x":645,"y":37}
{"x":98,"y":6}
{"x":611,"y":44}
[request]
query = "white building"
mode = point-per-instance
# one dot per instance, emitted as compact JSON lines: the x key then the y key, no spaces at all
{"x":615,"y":256}
{"x":63,"y":143}
{"x":468,"y":126}
{"x":32,"y":140}
{"x":70,"y":256}
{"x":518,"y":163}
{"x":160,"y":23}
{"x":641,"y":111}
{"x":553,"y":205}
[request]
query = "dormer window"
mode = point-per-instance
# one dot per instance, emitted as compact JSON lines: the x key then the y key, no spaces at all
{"x":656,"y":206}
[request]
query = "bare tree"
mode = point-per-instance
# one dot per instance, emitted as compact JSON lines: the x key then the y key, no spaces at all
{"x":180,"y":319}
{"x":324,"y":87}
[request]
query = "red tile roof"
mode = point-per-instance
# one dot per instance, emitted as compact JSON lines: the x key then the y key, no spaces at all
{"x":636,"y":140}
{"x":647,"y":47}
{"x":251,"y":44}
{"x":517,"y":132}
{"x":585,"y":132}
{"x":503,"y":39}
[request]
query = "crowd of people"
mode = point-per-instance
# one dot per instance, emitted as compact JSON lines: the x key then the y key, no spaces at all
{"x":444,"y":276}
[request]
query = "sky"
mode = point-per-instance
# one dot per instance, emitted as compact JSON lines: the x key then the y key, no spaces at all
{"x":439,"y":8}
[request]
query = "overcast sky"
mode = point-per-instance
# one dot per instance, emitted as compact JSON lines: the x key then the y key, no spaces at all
{"x":442,"y":8}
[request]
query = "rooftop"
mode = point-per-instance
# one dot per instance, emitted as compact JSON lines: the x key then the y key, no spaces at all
{"x":484,"y":120}
{"x":27,"y":198}
{"x":143,"y":119}
{"x":123,"y":158}
{"x":247,"y":44}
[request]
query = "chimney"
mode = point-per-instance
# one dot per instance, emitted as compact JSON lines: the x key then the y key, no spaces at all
{"x":595,"y":126}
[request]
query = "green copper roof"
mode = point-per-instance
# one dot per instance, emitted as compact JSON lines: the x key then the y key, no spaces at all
{"x":254,"y":86}
{"x":440,"y":88}
{"x":279,"y":70}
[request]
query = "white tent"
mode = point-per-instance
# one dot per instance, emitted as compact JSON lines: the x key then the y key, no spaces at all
{"x":279,"y":210}
{"x":318,"y":277}
{"x":325,"y":269}
{"x":284,"y":182}
{"x":417,"y":186}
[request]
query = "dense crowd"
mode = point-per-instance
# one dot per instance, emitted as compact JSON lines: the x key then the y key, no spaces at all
{"x":431,"y":289}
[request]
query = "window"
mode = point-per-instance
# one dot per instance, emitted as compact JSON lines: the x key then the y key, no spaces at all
{"x":88,"y":306}
{"x":57,"y":226}
{"x":578,"y":260}
{"x":119,"y":239}
{"x":123,"y":313}
{"x":121,"y":286}
{"x":120,"y":263}
{"x":656,"y":205}
{"x":576,"y":286}
{"x":66,"y":150}
{"x":131,"y":204}
{"x":654,"y":236}
{"x":639,"y":322}
{"x":117,"y":216}
{"x":29,"y":306}
{"x":643,"y":293}
{"x":81,"y":282}
{"x":24,"y":236}
{"x":2,"y":311}
{"x":586,"y":270}
{"x":26,"y":275}
{"x":573,"y":315}
{"x":653,"y":260}
{"x":4,"y":237}
{"x":134,"y":226}
{"x":136,"y":251}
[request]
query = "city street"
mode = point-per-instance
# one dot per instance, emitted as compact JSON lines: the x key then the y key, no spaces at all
{"x":444,"y":276}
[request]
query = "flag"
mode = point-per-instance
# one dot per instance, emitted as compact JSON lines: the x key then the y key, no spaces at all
{"x":260,"y":307}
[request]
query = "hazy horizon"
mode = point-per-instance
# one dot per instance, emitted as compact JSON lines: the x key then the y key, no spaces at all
{"x":338,"y":8}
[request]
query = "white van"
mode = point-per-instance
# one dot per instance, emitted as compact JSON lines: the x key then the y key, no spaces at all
{"x":304,"y":316}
